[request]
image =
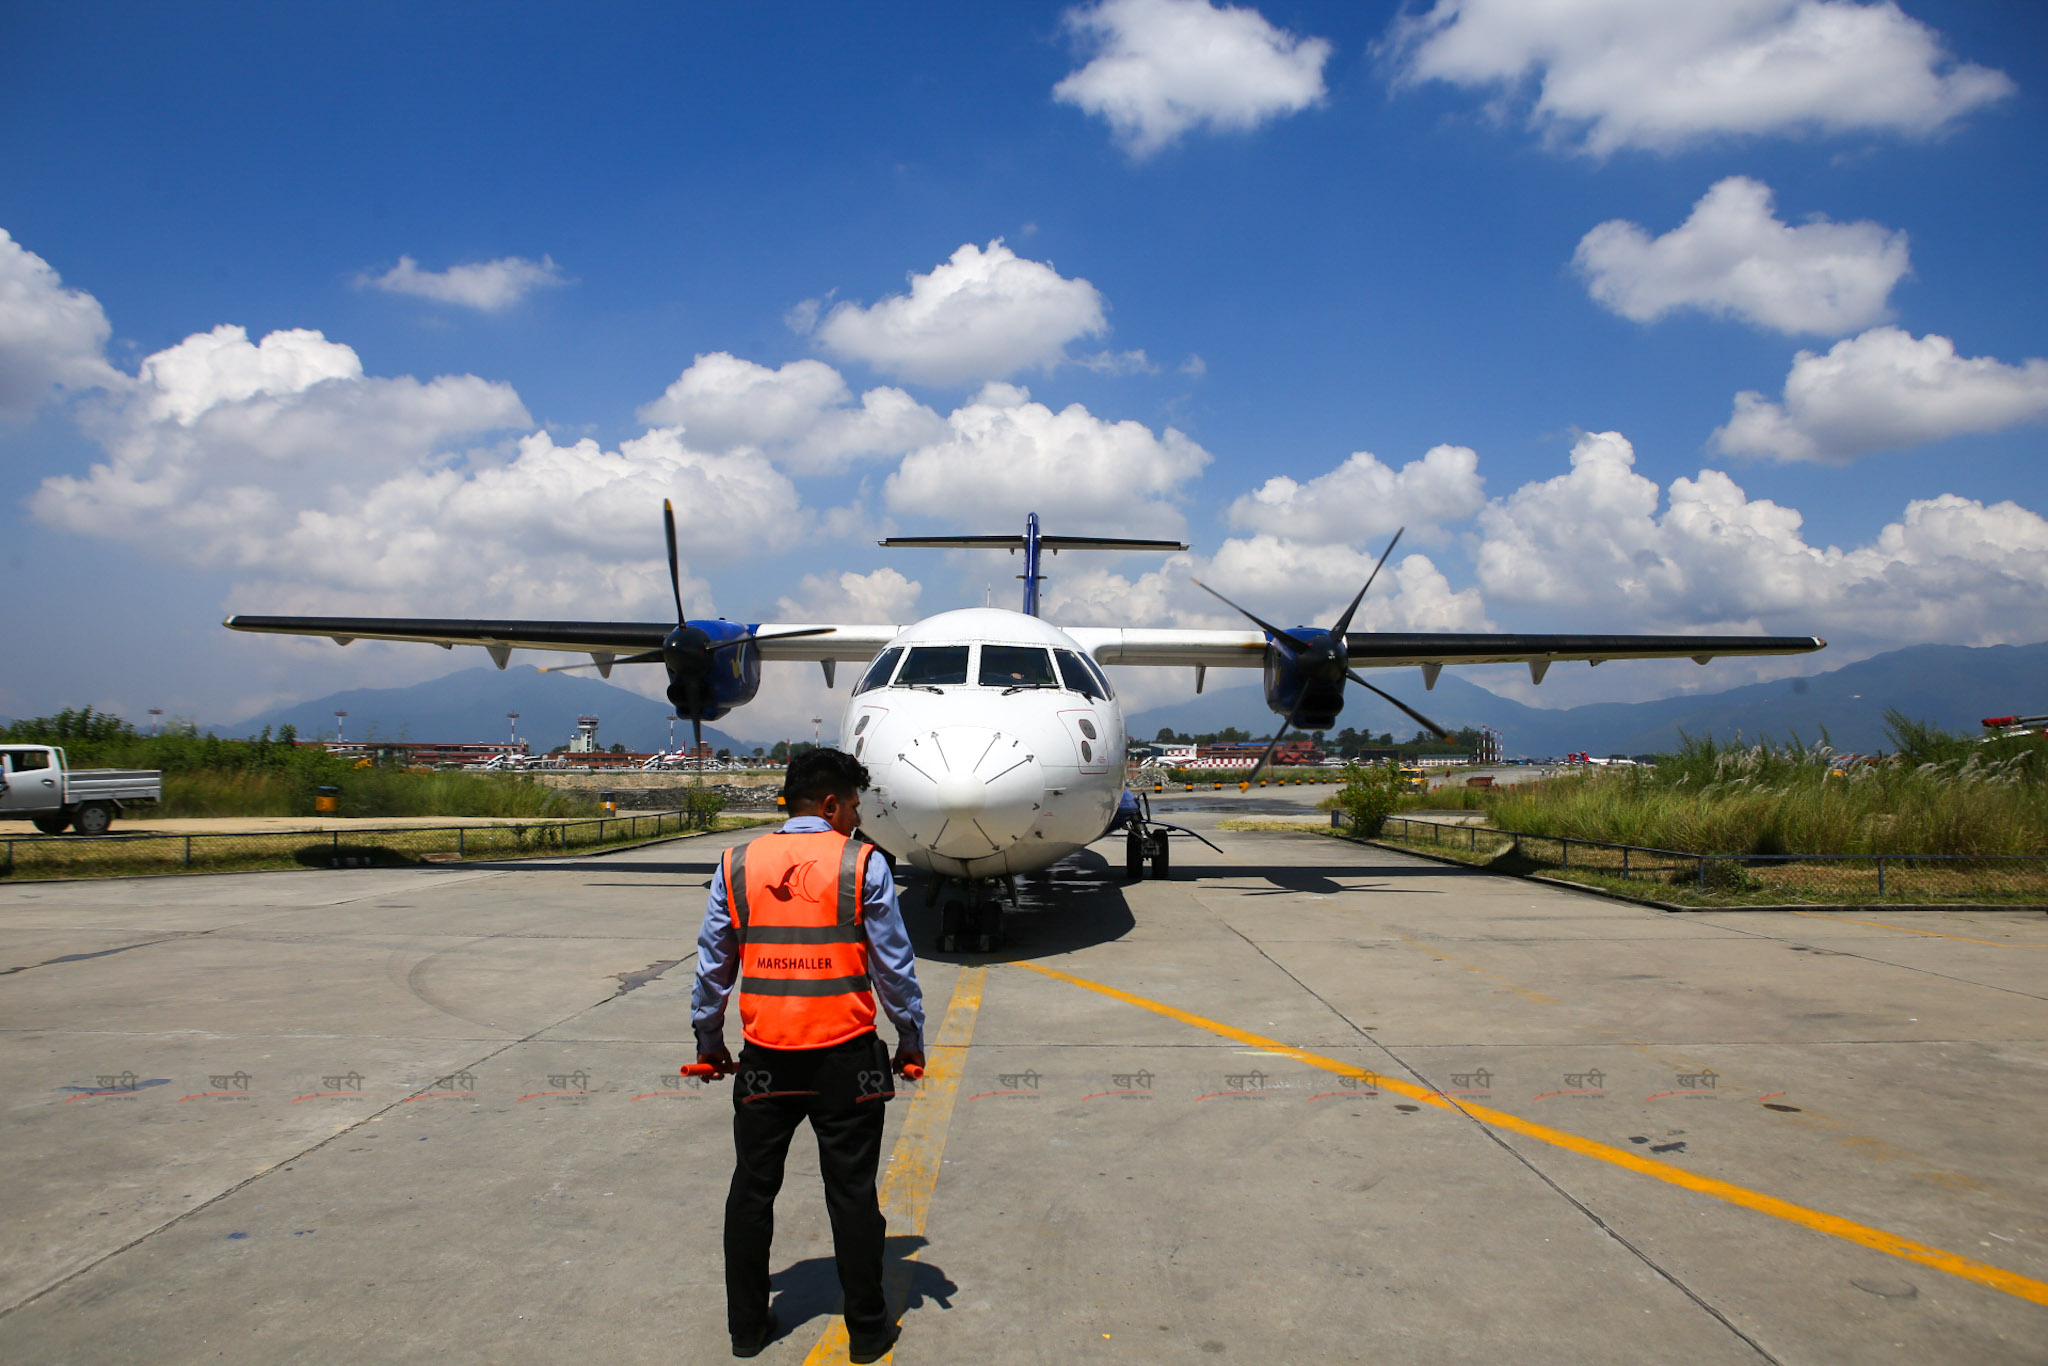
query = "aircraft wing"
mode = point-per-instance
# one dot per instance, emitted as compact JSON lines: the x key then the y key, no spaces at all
{"x":1431,"y":650}
{"x":599,"y":639}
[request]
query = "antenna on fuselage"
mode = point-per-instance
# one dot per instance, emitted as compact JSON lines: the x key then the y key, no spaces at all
{"x":1031,"y":543}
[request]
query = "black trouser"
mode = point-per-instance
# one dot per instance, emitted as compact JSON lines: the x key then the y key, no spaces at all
{"x":842,"y":1091}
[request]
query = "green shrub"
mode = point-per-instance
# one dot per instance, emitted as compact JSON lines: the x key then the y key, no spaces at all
{"x":1369,"y":796}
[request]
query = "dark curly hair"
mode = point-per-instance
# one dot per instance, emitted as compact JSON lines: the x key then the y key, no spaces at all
{"x":817,"y":773}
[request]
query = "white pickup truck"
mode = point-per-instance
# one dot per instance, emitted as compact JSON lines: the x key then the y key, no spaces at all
{"x":37,"y":784}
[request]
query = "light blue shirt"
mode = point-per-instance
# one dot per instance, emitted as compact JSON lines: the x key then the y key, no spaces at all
{"x":892,"y":966}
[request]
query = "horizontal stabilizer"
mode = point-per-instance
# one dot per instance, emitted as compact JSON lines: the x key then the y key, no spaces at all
{"x":1019,"y":543}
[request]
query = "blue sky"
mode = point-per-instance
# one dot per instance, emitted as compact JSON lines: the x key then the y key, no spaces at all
{"x":924,"y":268}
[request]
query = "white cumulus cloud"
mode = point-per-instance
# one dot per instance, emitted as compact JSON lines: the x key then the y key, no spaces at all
{"x":1604,"y":544}
{"x":1660,"y":74}
{"x":884,"y":596}
{"x":487,"y":286}
{"x":985,"y":314}
{"x":322,"y":489}
{"x":1733,"y":258}
{"x":1005,"y":456}
{"x":803,"y":414}
{"x":51,"y":338}
{"x":1363,"y":499}
{"x":1163,"y":67}
{"x":1884,"y":390}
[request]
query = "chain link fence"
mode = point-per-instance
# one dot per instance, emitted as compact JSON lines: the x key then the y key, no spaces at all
{"x":143,"y":853}
{"x":1676,"y":877}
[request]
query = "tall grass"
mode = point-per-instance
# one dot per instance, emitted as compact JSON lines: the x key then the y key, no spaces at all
{"x":266,"y":775}
{"x":1937,"y":794}
{"x":367,"y":792}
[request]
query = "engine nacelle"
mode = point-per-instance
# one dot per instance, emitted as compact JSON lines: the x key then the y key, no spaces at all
{"x":722,"y":678}
{"x":1313,"y":699}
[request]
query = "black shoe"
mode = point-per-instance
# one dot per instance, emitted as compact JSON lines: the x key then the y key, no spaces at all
{"x":872,"y":1349}
{"x":751,"y":1346}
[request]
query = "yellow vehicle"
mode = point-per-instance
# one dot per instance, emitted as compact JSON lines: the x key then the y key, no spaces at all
{"x":1414,"y":779}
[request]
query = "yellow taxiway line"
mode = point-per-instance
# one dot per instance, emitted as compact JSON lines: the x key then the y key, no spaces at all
{"x":1997,"y":1278}
{"x":1908,"y":929}
{"x":906,"y":1188}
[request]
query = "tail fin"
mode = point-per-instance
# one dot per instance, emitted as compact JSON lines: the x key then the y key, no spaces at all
{"x":1031,"y":542}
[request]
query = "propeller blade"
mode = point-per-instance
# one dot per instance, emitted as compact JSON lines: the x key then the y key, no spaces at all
{"x":644,"y":657}
{"x":1406,"y":710}
{"x":1344,"y":622}
{"x":675,"y":572}
{"x":1267,"y":757}
{"x":779,"y":635}
{"x":1294,"y":642}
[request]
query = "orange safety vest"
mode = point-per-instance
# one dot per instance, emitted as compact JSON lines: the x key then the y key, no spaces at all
{"x":795,"y":902}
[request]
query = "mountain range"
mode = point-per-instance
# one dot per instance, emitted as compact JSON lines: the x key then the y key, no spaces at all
{"x":1951,"y":686}
{"x":470,"y":705}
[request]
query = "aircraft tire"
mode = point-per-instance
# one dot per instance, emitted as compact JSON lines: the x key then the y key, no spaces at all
{"x":950,"y":929}
{"x":1134,"y":856}
{"x":1162,"y":863}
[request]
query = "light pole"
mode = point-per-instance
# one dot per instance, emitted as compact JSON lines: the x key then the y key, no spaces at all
{"x":156,"y":725}
{"x":816,"y":723}
{"x":339,"y":717}
{"x":512,"y":735}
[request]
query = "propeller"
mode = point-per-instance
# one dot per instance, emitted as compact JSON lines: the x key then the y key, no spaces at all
{"x":689,"y":651}
{"x":1326,"y":659}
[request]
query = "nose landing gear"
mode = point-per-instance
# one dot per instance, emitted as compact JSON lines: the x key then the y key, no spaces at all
{"x":972,"y":925}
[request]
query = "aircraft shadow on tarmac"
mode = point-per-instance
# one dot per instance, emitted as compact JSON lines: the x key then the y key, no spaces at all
{"x":809,"y":1289}
{"x":1325,"y":881}
{"x":1075,"y":904}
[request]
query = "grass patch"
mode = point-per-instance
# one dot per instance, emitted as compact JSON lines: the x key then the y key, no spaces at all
{"x":390,"y":847}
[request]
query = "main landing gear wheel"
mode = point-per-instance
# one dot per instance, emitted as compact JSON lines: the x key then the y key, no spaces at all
{"x":1161,"y":861}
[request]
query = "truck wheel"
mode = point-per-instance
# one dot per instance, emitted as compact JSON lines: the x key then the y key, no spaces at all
{"x":52,"y":825}
{"x":92,"y":819}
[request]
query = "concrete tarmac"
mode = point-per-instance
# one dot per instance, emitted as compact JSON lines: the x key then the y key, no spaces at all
{"x":1307,"y":1101}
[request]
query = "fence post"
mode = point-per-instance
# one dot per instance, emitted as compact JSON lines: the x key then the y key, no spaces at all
{"x":459,"y":850}
{"x":1703,"y":874}
{"x":1566,"y":847}
{"x":1880,"y":874}
{"x":1624,"y":860}
{"x":188,"y":851}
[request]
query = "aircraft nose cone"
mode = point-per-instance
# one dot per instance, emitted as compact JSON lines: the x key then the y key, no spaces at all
{"x":968,"y":792}
{"x":961,"y":794}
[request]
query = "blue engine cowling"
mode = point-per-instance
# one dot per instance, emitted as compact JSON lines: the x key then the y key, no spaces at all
{"x":735,"y":674}
{"x":1293,"y":689}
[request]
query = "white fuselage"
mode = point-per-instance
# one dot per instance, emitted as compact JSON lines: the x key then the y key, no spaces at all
{"x":992,"y":742}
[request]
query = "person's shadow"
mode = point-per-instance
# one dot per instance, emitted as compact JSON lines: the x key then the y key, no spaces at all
{"x":809,"y":1289}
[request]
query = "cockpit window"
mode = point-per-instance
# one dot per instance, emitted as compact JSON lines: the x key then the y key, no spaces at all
{"x":933,"y":665}
{"x":1101,"y":677}
{"x":1016,"y":666}
{"x":1080,"y":678}
{"x":879,"y":671}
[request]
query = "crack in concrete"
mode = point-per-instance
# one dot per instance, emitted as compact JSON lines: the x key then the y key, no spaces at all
{"x":1577,"y":1204}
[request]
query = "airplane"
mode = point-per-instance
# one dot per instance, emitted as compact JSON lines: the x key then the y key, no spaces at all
{"x":993,"y":739}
